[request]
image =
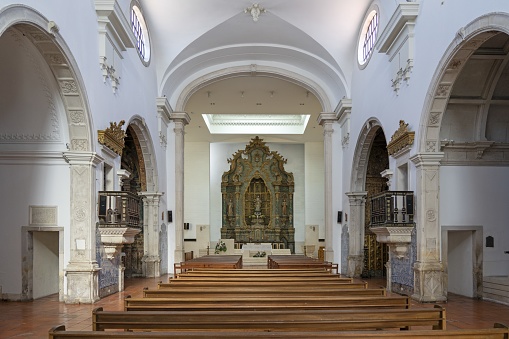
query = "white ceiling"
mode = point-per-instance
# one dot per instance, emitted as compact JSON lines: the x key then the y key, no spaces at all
{"x":302,"y":50}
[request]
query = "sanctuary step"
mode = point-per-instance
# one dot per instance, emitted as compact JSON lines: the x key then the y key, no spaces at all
{"x":496,"y":288}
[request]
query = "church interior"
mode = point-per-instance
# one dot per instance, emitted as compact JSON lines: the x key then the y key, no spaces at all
{"x":138,"y":135}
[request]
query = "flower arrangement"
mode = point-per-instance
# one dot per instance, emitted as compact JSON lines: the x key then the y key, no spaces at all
{"x":260,"y":254}
{"x":220,"y":247}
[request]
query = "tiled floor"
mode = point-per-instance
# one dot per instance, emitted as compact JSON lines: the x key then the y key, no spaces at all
{"x":34,"y":319}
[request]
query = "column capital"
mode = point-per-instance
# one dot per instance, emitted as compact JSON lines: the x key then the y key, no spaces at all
{"x":181,"y":117}
{"x":82,"y":158}
{"x":151,"y":195}
{"x":326,"y":118}
{"x":344,"y":108}
{"x":429,"y":159}
{"x":357,"y":197}
{"x":163,"y":108}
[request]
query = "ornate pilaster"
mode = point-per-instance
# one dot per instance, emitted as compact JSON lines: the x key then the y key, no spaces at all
{"x":429,"y":275}
{"x":356,"y":231}
{"x":326,"y":120}
{"x":82,"y":271}
{"x":151,"y":261}
{"x":180,"y":119}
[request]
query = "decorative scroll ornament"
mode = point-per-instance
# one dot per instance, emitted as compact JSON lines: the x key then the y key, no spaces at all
{"x":400,"y":139}
{"x":113,"y":137}
{"x":255,"y":10}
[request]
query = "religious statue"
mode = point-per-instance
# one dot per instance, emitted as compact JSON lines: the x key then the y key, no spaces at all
{"x":283,"y":206}
{"x":258,"y":204}
{"x":230,"y":207}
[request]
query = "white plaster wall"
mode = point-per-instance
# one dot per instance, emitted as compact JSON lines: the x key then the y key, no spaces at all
{"x":45,"y":272}
{"x":295,"y":153}
{"x":478,"y":196}
{"x":30,"y":184}
{"x":314,"y":186}
{"x":196,"y":186}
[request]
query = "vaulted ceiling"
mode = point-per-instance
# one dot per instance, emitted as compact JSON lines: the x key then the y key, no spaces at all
{"x":213,"y":57}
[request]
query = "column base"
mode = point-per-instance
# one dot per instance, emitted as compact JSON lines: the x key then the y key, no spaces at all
{"x":82,"y":283}
{"x":329,"y":255}
{"x":429,"y":282}
{"x":355,"y":263}
{"x":151,"y":266}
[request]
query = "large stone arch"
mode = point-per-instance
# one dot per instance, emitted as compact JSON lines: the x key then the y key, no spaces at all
{"x":244,"y":71}
{"x":466,"y":42}
{"x":82,"y":269}
{"x":139,"y":126}
{"x":429,"y":276}
{"x":357,"y":196}
{"x":45,"y":37}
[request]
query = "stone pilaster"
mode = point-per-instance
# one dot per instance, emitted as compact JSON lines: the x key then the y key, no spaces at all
{"x":180,"y":120}
{"x":151,"y":261}
{"x":356,"y":231}
{"x":82,"y":271}
{"x":326,"y":120}
{"x":429,"y":274}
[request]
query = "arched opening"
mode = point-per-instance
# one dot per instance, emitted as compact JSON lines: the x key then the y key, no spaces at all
{"x":465,"y":126}
{"x":375,"y":253}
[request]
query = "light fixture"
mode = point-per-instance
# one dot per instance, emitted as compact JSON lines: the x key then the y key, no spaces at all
{"x":271,"y":94}
{"x":241,"y":94}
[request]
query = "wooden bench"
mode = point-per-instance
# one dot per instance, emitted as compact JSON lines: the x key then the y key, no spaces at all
{"x":259,"y":292}
{"x":203,"y":286}
{"x":298,"y":261}
{"x":267,"y":303}
{"x":498,"y":332}
{"x":210,"y":261}
{"x":290,"y":320}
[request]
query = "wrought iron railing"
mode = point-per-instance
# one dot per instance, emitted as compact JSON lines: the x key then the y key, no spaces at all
{"x":119,"y":209}
{"x":392,"y":208}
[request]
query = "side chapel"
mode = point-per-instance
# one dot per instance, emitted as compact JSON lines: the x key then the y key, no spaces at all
{"x":257,"y":198}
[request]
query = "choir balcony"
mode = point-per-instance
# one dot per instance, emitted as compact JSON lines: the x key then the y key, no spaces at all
{"x":120,"y":215}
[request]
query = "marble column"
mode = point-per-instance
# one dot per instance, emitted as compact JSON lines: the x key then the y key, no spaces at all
{"x":180,"y":119}
{"x":326,"y":120}
{"x":429,"y":274}
{"x":82,"y":271}
{"x":151,"y":261}
{"x":356,"y":231}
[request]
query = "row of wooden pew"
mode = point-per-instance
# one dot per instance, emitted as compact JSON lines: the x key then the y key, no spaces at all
{"x":295,"y":302}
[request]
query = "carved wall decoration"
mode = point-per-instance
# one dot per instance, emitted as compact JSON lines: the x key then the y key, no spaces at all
{"x":43,"y":215}
{"x":400,"y":139}
{"x":113,"y":137}
{"x":257,"y":195}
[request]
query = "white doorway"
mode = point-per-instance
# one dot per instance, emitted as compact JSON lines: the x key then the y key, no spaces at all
{"x":45,"y":264}
{"x":43,"y":269}
{"x":462,"y":258}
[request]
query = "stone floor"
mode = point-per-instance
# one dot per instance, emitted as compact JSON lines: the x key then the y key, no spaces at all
{"x":34,"y":319}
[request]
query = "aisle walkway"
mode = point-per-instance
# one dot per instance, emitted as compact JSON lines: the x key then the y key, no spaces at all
{"x":34,"y":319}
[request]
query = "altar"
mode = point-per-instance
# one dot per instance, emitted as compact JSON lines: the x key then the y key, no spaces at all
{"x":256,"y":253}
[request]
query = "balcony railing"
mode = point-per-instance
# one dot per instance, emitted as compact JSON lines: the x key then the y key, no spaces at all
{"x":119,"y":209}
{"x":392,"y":209}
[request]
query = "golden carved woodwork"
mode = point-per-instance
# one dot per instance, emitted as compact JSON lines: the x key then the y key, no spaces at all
{"x":400,"y":139}
{"x":113,"y":137}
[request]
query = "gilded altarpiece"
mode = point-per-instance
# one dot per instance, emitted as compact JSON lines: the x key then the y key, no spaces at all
{"x":257,"y":198}
{"x":375,"y":254}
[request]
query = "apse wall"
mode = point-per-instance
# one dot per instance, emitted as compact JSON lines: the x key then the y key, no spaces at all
{"x":477,"y":196}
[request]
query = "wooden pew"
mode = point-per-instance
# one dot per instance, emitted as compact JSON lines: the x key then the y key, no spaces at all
{"x":298,"y":261}
{"x":259,"y":292}
{"x":499,"y":331}
{"x":255,"y":279}
{"x":302,"y":320}
{"x":208,"y":286}
{"x":270,"y":303}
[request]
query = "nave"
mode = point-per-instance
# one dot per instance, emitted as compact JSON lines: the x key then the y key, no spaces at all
{"x":34,"y":319}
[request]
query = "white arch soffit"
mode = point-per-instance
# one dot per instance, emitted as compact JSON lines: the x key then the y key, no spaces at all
{"x":361,"y":154}
{"x":182,"y":96}
{"x":467,"y":40}
{"x":147,"y":147}
{"x":71,"y":88}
